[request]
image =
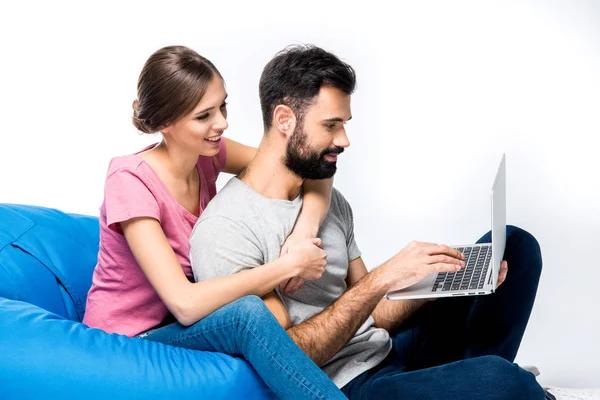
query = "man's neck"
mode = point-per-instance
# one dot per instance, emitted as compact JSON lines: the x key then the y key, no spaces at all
{"x":267,"y":174}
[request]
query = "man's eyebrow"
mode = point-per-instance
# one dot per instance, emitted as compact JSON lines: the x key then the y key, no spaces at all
{"x":337,"y":119}
{"x":209,"y":108}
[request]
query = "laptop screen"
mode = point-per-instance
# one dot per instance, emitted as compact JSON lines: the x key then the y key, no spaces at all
{"x":498,"y":219}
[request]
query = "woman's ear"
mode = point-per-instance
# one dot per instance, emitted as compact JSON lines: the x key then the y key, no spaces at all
{"x":284,"y":120}
{"x":165,"y":129}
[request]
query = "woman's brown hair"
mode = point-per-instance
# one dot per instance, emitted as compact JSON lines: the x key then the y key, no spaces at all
{"x":171,"y":84}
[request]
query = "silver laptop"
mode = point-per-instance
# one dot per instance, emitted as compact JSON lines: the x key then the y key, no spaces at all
{"x":480,"y":275}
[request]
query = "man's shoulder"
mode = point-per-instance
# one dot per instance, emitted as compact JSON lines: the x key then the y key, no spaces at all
{"x":230,"y":211}
{"x":337,"y":196}
{"x":229,"y":203}
{"x":339,"y":203}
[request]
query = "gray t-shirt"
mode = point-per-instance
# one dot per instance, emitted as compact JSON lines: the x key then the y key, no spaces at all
{"x":241,"y":229}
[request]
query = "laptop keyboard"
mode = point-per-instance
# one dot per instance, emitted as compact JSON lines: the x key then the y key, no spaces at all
{"x":472,"y":276}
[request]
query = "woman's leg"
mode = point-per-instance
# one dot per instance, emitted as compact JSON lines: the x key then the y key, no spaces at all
{"x":247,"y":328}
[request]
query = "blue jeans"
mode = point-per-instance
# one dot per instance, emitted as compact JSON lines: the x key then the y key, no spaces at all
{"x":464,"y":347}
{"x":246,"y":328}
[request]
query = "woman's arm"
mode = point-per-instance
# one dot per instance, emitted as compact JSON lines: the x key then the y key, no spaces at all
{"x":238,"y":156}
{"x":189,"y":302}
{"x":317,"y":197}
{"x":317,"y":193}
{"x":316,"y":201}
{"x":315,"y":206}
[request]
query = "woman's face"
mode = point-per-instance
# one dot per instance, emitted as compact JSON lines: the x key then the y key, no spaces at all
{"x":201,"y":129}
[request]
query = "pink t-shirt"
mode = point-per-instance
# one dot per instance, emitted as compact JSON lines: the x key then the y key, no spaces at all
{"x":121,"y":299}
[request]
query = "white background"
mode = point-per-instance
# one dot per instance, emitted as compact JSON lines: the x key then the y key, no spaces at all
{"x":444,"y":88}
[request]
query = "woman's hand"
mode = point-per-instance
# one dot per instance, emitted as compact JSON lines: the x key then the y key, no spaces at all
{"x":308,"y":255}
{"x":291,"y":285}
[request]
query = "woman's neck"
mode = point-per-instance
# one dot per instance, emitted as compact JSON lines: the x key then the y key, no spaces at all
{"x":181,"y":165}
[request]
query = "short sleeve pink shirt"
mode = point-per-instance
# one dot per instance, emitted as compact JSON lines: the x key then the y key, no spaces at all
{"x":121,"y":299}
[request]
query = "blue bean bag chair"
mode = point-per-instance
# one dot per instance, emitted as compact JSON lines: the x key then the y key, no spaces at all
{"x":46,"y":263}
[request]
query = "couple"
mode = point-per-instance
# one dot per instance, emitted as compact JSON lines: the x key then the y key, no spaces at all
{"x":174,"y":268}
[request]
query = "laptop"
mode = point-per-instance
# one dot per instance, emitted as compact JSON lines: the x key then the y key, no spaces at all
{"x":480,"y":274}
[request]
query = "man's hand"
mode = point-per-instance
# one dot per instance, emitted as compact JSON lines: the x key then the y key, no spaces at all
{"x":502,"y":274}
{"x":415,"y":262}
{"x":291,"y":285}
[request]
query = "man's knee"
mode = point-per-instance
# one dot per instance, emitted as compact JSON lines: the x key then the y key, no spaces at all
{"x":523,"y":238}
{"x":525,"y":244}
{"x":507,"y":380}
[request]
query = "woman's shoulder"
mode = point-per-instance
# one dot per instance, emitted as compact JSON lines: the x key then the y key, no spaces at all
{"x":131,"y":163}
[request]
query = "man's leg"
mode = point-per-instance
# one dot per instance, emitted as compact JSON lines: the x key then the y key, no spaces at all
{"x":489,"y":377}
{"x":453,"y":329}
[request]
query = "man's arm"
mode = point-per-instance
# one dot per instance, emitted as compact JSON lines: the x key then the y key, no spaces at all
{"x":277,"y":309}
{"x":323,"y":335}
{"x":387,"y":314}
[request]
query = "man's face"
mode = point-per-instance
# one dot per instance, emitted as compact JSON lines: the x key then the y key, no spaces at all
{"x":320,"y":136}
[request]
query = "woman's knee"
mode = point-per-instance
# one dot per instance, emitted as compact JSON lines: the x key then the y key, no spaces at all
{"x":251,"y":308}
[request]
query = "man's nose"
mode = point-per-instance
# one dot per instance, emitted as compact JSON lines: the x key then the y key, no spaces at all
{"x":341,"y":139}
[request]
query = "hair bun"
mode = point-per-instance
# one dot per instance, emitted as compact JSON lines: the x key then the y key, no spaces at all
{"x":139,"y":124}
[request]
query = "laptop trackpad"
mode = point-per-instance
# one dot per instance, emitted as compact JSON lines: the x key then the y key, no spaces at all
{"x":423,"y":286}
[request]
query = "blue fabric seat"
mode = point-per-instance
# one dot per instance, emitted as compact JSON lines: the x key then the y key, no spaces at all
{"x":46,"y":262}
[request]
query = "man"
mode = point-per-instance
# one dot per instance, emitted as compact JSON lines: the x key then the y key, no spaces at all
{"x":370,"y":347}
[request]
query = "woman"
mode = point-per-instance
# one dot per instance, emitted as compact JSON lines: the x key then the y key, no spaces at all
{"x":142,"y":285}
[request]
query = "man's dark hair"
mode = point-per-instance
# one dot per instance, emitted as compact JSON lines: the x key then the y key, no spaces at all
{"x":296,"y":74}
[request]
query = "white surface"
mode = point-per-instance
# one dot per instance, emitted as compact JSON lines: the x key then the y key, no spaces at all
{"x":444,"y":88}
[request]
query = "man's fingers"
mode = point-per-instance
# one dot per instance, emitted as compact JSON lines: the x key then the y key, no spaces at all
{"x":298,"y":284}
{"x":503,"y":273}
{"x":426,"y":244}
{"x":447,"y":250}
{"x":445,"y":267}
{"x":434,"y":248}
{"x":284,"y":250}
{"x":284,"y":286}
{"x":291,"y":285}
{"x":443,"y":259}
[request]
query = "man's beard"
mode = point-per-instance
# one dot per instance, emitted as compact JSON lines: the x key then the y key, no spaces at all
{"x":306,"y":162}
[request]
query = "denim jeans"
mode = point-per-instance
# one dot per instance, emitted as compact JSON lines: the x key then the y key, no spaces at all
{"x":464,"y":347}
{"x":246,"y":328}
